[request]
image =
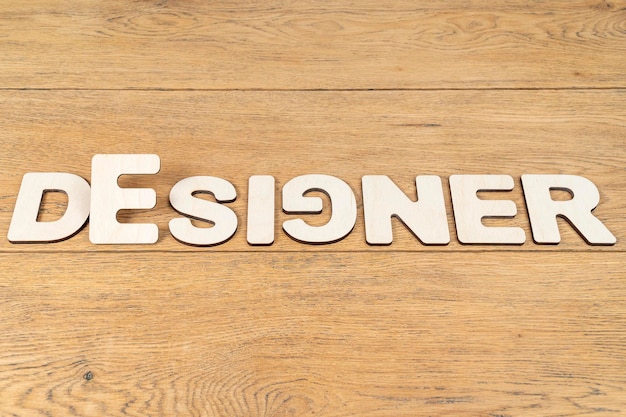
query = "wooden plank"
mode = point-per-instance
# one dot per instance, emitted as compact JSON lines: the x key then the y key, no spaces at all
{"x":235,"y":135}
{"x":301,"y":334}
{"x":312,"y":45}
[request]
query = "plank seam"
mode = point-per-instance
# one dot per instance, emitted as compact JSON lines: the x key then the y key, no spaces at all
{"x":208,"y":250}
{"x":308,"y":90}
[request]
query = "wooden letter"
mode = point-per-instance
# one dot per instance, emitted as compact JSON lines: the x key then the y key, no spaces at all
{"x":24,"y":225}
{"x":107,"y":198}
{"x":224,"y":220}
{"x":469,"y":209}
{"x":343,"y":203}
{"x":261,"y":210}
{"x":543,"y":211}
{"x":425,"y":218}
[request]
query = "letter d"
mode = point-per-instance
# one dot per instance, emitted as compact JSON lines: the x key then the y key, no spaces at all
{"x":24,"y":226}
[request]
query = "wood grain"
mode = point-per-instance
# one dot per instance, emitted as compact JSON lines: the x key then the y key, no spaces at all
{"x":323,"y":334}
{"x":235,"y":135}
{"x":292,"y":44}
{"x":284,"y":88}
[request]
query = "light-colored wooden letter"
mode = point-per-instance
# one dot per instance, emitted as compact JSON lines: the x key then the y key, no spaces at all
{"x":24,"y":225}
{"x":543,"y":211}
{"x":343,"y":203}
{"x":224,"y":220}
{"x":107,"y":198}
{"x":469,"y":209}
{"x":261,"y":210}
{"x":426,"y":218}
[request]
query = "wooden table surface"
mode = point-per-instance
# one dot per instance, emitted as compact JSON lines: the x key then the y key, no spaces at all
{"x":284,"y":88}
